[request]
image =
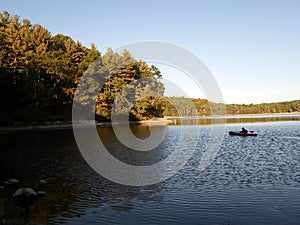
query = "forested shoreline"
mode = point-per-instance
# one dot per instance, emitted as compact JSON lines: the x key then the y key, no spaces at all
{"x":39,"y":74}
{"x":203,"y":107}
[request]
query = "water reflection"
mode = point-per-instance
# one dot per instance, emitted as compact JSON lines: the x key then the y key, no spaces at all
{"x":130,"y":156}
{"x":72,"y":186}
{"x":253,"y":179}
{"x":235,"y":119}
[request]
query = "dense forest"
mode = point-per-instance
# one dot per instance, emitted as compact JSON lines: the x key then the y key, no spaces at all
{"x":39,"y":73}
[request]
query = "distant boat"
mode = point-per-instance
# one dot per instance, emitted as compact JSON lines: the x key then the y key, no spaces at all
{"x":250,"y":133}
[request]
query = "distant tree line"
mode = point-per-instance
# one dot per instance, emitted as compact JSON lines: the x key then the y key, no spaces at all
{"x":277,"y":107}
{"x":203,"y":107}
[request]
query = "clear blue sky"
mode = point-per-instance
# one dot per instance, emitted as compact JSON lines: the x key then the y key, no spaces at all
{"x":251,"y":47}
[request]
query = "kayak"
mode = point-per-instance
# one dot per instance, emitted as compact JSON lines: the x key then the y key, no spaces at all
{"x":242,"y":134}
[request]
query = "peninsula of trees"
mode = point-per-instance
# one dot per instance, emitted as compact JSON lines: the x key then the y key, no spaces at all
{"x":39,"y":73}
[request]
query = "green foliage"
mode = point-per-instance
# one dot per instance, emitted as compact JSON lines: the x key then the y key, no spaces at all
{"x":39,"y":74}
{"x":180,"y":106}
{"x":278,"y":107}
{"x":139,"y":96}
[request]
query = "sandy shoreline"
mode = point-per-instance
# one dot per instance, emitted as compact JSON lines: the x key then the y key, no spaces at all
{"x":68,"y":125}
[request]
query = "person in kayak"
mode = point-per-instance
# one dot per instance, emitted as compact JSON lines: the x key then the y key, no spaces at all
{"x":244,"y":131}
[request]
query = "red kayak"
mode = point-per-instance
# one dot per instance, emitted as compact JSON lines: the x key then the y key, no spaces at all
{"x":242,"y":134}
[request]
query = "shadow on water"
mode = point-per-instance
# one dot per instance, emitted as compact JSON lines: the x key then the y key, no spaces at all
{"x":71,"y":185}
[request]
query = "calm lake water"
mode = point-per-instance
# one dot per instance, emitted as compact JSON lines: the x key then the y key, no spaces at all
{"x":253,"y":180}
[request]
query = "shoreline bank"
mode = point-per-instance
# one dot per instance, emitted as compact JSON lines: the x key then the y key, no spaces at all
{"x":87,"y":124}
{"x":48,"y":126}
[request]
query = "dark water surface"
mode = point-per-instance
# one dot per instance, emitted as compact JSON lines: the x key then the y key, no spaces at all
{"x":253,"y":180}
